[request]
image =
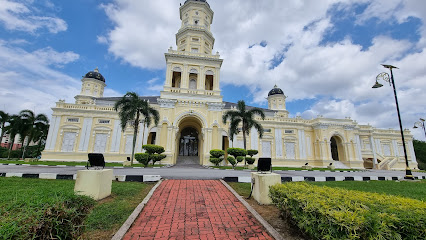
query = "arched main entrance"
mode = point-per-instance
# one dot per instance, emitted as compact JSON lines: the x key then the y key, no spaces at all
{"x":188,"y":143}
{"x":334,"y":149}
{"x":337,"y":149}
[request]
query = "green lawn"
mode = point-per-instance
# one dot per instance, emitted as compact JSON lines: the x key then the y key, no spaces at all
{"x":54,"y":163}
{"x":32,"y":207}
{"x":415,"y":190}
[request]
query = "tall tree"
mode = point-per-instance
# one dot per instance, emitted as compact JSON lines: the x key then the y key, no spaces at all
{"x":131,"y":108}
{"x":244,"y":117}
{"x":13,"y":129}
{"x":29,"y":129}
{"x":4,"y":118}
{"x":40,"y":135}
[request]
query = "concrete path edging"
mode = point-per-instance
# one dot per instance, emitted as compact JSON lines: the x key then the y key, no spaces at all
{"x":274,"y":233}
{"x":324,"y":179}
{"x":128,"y":223}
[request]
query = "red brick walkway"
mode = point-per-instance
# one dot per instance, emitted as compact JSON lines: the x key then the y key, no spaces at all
{"x":195,"y":209}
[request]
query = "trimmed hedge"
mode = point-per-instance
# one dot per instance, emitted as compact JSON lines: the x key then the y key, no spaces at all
{"x":142,"y":158}
{"x":333,"y":213}
{"x":250,"y":160}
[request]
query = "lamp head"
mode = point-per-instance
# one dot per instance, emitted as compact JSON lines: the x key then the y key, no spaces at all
{"x":377,"y":85}
{"x":415,"y":126}
{"x":421,"y":119}
{"x":389,"y":66}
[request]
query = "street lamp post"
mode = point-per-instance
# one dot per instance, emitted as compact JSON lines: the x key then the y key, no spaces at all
{"x":421,"y":124}
{"x":384,"y":76}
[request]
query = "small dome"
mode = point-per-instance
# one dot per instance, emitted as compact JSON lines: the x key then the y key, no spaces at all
{"x":276,"y":90}
{"x":95,"y":74}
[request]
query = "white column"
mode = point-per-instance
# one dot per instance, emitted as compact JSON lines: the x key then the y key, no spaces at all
{"x":53,"y":133}
{"x":412,"y":153}
{"x":254,"y":139}
{"x":85,"y":135}
{"x":358,"y":147}
{"x":138,"y":148}
{"x":302,"y":144}
{"x":116,"y":137}
{"x":278,"y":143}
{"x":395,"y":149}
{"x":373,"y":148}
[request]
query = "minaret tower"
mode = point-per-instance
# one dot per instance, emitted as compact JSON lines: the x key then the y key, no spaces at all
{"x":92,"y":86}
{"x":276,"y":101}
{"x":193,"y":72}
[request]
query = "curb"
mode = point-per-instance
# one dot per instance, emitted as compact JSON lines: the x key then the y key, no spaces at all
{"x":128,"y":223}
{"x":79,"y":166}
{"x":323,"y":179}
{"x":259,"y":218}
{"x":119,"y":178}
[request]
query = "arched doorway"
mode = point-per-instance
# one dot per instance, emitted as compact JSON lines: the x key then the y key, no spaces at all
{"x":188,"y":143}
{"x":337,"y":148}
{"x":334,"y":149}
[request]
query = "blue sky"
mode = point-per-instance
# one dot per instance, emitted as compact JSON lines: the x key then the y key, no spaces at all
{"x":325,"y":55}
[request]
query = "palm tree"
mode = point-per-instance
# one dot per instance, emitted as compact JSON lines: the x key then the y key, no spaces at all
{"x":40,"y":135}
{"x":132,"y":108}
{"x":244,"y":117}
{"x":4,"y":118}
{"x":29,"y":129}
{"x":13,"y":129}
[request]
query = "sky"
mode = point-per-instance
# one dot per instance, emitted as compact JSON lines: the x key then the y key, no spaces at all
{"x":325,"y":55}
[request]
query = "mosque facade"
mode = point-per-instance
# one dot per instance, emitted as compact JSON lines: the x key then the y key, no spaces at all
{"x":191,"y":109}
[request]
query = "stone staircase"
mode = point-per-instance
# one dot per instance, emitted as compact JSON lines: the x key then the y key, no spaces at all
{"x":340,"y":165}
{"x":188,"y":161}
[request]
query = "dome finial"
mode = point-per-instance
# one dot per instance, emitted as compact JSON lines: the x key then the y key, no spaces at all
{"x":96,"y":70}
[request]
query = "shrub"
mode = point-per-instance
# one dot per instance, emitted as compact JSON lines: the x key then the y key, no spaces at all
{"x":252,"y":152}
{"x":250,"y":160}
{"x":217,"y":153}
{"x":143,"y":158}
{"x":216,"y":161}
{"x":152,"y":149}
{"x":333,"y":213}
{"x":157,"y":157}
{"x":232,"y":161}
{"x":237,"y":152}
{"x":154,"y":152}
{"x":240,"y":159}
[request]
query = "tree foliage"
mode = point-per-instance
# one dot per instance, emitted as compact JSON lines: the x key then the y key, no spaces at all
{"x":154,"y":152}
{"x":245,"y":117}
{"x":420,"y":150}
{"x":216,"y":156}
{"x":131,"y":108}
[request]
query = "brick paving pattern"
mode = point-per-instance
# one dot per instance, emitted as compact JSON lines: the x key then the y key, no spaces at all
{"x":195,"y":209}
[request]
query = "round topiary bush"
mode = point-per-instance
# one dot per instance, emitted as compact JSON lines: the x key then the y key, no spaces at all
{"x":232,"y":161}
{"x":217,"y":153}
{"x":250,"y":160}
{"x":216,"y":161}
{"x":252,"y":152}
{"x":143,"y":158}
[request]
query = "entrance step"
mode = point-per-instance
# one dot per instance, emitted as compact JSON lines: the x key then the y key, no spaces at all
{"x":187,"y":160}
{"x":340,"y":165}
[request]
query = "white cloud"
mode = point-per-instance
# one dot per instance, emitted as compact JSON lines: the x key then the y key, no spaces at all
{"x":30,"y":82}
{"x":19,"y":16}
{"x":339,"y":74}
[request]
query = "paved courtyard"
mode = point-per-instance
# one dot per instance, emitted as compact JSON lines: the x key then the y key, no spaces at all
{"x":195,"y":209}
